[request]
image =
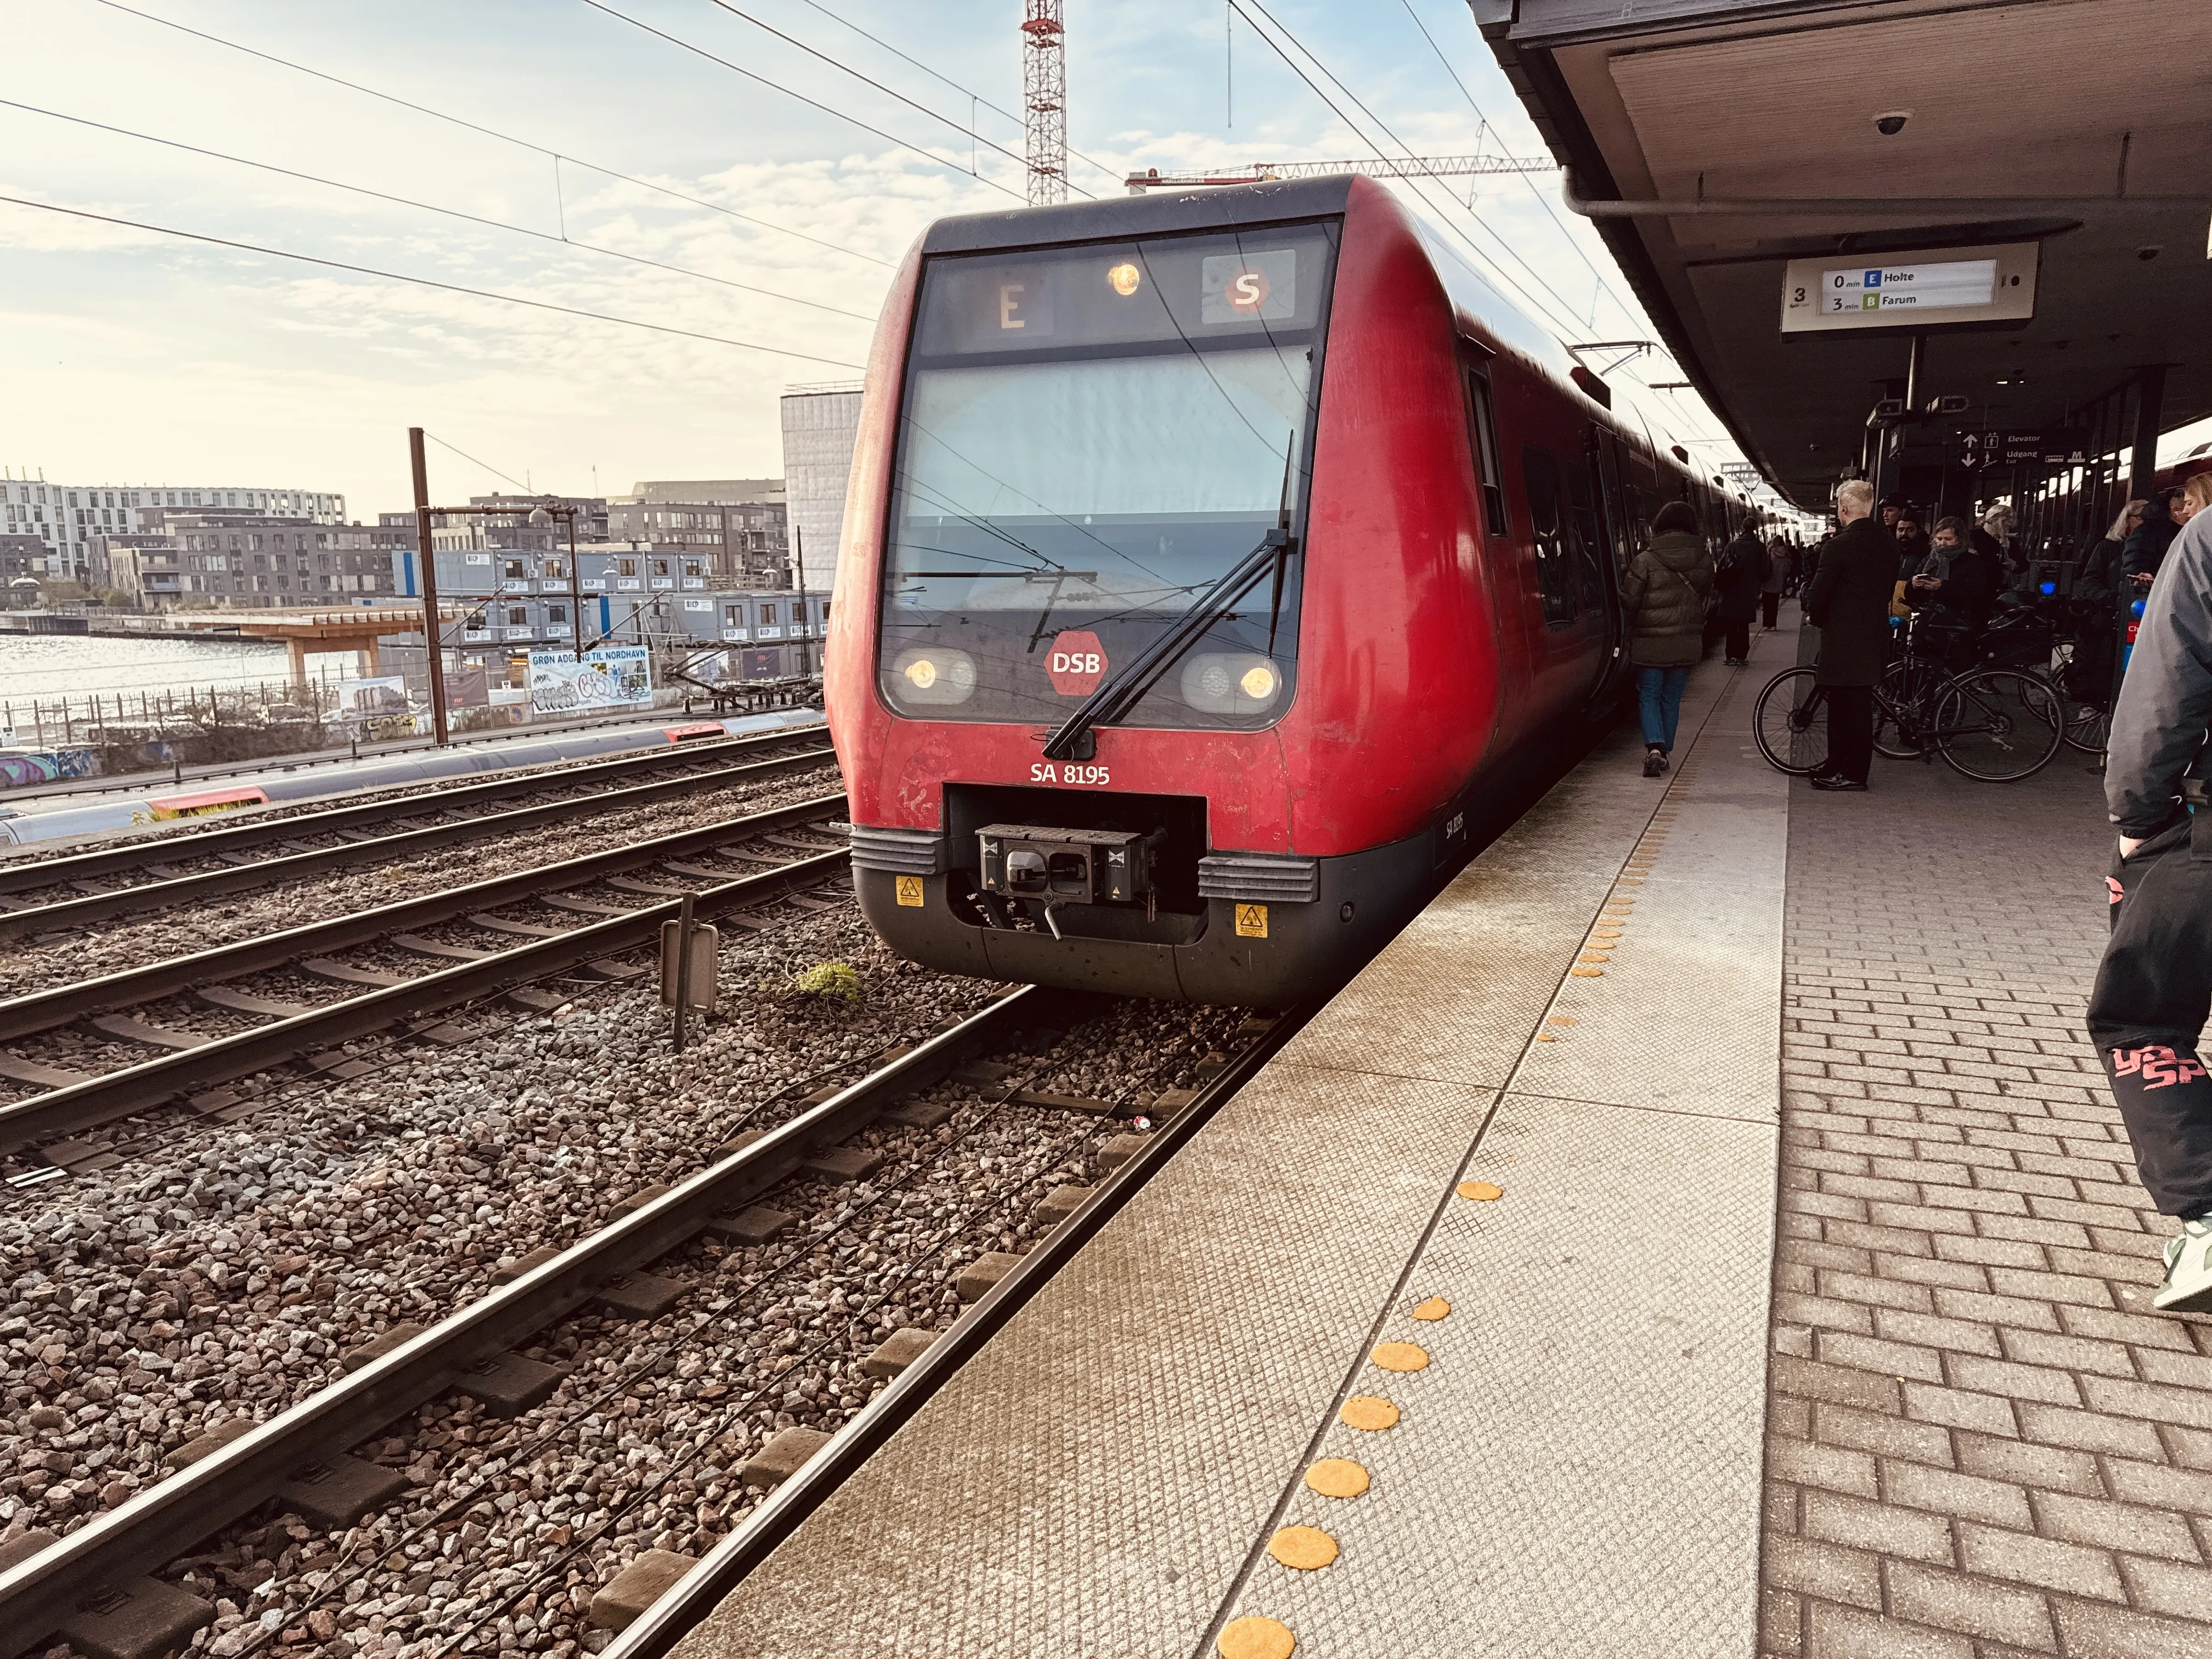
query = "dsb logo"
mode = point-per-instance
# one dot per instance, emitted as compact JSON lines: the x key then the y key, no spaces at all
{"x":1076,"y":663}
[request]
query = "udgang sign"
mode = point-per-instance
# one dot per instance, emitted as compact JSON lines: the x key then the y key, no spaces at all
{"x":610,"y":676}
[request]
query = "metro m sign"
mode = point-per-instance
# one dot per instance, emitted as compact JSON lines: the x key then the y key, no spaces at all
{"x":1076,"y":663}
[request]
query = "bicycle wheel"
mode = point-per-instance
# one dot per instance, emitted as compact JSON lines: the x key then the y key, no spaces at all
{"x":1999,"y":725}
{"x":1900,"y":703}
{"x":2087,"y":726}
{"x":1791,"y":723}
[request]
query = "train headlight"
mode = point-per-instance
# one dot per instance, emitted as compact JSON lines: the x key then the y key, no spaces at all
{"x":933,"y":676}
{"x":1231,"y":682}
{"x":1124,"y":278}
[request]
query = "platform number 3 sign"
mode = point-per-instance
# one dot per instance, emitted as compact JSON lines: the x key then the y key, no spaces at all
{"x":1251,"y":921}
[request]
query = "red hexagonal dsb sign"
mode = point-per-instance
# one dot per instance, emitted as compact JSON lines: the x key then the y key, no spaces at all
{"x":1076,"y":663}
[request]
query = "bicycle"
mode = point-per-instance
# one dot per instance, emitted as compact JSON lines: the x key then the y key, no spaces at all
{"x":1993,"y":725}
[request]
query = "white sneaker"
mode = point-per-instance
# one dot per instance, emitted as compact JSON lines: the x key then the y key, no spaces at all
{"x":2188,"y":1286}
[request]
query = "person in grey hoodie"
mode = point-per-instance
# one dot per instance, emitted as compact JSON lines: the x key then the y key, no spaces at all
{"x":2153,"y":989}
{"x":1663,"y":592}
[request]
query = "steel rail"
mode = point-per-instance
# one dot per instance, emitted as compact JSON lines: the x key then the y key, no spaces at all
{"x":154,"y":1082}
{"x":653,"y":1632}
{"x":169,"y":1518}
{"x":260,"y":830}
{"x":262,"y":872}
{"x":41,"y":1010}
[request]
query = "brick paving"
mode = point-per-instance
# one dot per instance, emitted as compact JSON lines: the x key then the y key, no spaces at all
{"x":1980,"y":1442}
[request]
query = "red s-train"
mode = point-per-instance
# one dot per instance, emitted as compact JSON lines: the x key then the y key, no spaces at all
{"x":1210,"y":562}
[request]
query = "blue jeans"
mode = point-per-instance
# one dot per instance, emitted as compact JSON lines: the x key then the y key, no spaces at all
{"x":1659,"y":700}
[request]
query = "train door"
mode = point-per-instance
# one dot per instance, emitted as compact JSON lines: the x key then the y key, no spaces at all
{"x":1609,"y":537}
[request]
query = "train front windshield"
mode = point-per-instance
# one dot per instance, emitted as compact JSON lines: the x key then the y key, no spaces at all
{"x":1092,"y":438}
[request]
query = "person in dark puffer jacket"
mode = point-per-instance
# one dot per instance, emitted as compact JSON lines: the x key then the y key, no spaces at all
{"x":1663,"y":593}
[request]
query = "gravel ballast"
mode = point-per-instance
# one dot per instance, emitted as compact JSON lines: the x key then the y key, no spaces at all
{"x":223,"y":1272}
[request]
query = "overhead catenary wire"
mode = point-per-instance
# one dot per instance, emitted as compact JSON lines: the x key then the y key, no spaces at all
{"x":423,"y":282}
{"x":432,"y":207}
{"x":1553,"y":317}
{"x":762,"y":80}
{"x":473,"y":461}
{"x":556,"y":156}
{"x":1536,"y":190}
{"x":847,"y":69}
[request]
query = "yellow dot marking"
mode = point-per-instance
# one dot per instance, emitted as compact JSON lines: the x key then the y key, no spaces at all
{"x":1563,"y":1019}
{"x":1546,"y":1036}
{"x":1255,"y":1639}
{"x":1401,"y":1356}
{"x":1598,"y":955}
{"x":1370,"y":1412}
{"x":1482,"y":1190}
{"x":1435,"y":1308}
{"x":1586,"y":973}
{"x":1337,"y":1477}
{"x":1305,"y":1549}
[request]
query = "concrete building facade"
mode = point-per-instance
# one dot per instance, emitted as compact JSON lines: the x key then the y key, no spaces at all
{"x":821,"y":424}
{"x":737,"y":523}
{"x":243,"y":559}
{"x":67,"y":518}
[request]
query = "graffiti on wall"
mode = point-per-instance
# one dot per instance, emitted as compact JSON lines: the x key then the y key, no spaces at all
{"x":23,"y":767}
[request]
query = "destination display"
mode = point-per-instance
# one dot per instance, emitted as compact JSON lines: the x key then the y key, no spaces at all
{"x":1910,"y":290}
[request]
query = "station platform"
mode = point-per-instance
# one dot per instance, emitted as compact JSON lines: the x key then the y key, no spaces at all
{"x":1702,"y":1232}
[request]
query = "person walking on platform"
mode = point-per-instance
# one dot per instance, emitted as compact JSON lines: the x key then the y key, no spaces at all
{"x":1777,"y":583}
{"x":1663,"y":592}
{"x":2153,"y":989}
{"x":1849,"y":602}
{"x":1739,"y":575}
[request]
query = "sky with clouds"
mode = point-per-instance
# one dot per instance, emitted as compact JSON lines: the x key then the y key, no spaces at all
{"x":133,"y":357}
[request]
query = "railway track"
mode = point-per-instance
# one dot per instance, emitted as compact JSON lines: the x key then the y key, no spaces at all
{"x":352,"y":836}
{"x":304,"y":1460}
{"x":188,"y":1066}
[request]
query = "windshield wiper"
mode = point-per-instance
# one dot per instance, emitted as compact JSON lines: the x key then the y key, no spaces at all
{"x":1122,"y":691}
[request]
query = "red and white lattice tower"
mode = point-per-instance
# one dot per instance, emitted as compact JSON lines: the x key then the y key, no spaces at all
{"x":1044,"y":97}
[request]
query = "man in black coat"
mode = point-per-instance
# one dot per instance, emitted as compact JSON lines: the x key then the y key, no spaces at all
{"x":1739,"y":574}
{"x":1849,"y":602}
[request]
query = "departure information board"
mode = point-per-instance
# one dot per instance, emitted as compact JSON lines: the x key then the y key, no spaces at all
{"x":1910,"y":290}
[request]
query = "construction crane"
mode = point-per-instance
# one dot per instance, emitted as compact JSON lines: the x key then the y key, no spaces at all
{"x":1044,"y":101}
{"x":1418,"y":167}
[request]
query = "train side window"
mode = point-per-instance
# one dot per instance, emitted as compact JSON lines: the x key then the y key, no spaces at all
{"x":1482,"y":437}
{"x":1589,"y":539}
{"x":1555,"y":574}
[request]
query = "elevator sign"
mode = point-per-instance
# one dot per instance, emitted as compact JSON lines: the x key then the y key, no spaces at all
{"x":1910,"y":290}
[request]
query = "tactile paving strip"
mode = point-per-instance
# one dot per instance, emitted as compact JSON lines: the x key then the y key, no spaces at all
{"x":1100,"y":1479}
{"x":1575,"y":1472}
{"x":1577,"y":1468}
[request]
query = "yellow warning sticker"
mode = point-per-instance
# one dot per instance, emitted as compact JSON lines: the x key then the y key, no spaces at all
{"x":1251,"y":921}
{"x":909,"y":892}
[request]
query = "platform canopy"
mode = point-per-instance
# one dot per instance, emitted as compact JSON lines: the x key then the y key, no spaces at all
{"x":1716,"y":142}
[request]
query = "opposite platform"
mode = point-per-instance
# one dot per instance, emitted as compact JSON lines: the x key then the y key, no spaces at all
{"x":1575,"y":1461}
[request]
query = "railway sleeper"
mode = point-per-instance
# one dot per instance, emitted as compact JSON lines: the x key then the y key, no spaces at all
{"x":298,"y":1457}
